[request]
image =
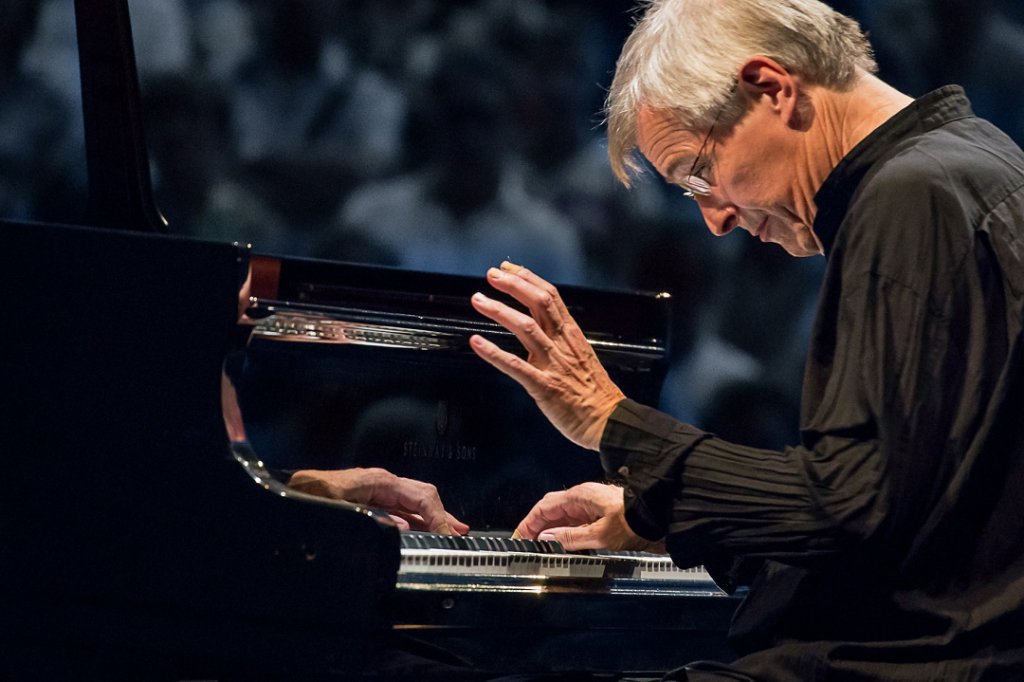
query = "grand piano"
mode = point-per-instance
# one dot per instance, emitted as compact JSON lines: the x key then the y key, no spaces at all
{"x":141,"y":540}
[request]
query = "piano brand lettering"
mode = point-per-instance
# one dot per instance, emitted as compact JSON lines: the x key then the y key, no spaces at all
{"x":442,"y":418}
{"x":439,"y":450}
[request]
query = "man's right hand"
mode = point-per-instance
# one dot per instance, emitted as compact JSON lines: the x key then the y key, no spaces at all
{"x":413,"y":504}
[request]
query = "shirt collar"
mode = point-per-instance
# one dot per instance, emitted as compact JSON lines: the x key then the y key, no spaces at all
{"x":926,"y":113}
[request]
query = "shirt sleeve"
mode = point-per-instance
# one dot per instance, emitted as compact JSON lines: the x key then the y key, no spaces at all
{"x":710,"y":496}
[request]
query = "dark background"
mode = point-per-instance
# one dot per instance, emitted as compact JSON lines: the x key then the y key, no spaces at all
{"x":448,"y":136}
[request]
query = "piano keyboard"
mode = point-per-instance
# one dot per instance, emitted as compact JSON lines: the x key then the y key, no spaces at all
{"x":524,"y":605}
{"x":482,"y":557}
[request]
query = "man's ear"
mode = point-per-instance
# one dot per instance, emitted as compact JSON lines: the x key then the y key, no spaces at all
{"x":762,"y":80}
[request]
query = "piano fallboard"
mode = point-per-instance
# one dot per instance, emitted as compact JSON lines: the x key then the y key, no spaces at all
{"x":526,"y":606}
{"x":535,"y":625}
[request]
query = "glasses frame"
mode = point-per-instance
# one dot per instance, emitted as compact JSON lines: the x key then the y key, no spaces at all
{"x":692,"y":183}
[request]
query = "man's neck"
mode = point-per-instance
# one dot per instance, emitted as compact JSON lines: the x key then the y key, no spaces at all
{"x":838,"y":122}
{"x":846,"y":118}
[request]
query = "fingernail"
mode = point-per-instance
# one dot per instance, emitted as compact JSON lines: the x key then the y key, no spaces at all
{"x":494,"y":273}
{"x":546,"y":536}
{"x":508,"y":266}
{"x":479,"y":298}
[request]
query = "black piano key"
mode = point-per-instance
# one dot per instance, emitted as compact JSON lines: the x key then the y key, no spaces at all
{"x":529,"y":545}
{"x":487,"y":543}
{"x":551,"y":546}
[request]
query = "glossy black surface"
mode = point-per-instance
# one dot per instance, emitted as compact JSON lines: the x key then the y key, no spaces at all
{"x":437,"y":412}
{"x":133,"y":533}
{"x":568,"y":629}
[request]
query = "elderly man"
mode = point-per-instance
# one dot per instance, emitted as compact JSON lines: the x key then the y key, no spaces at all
{"x":889,"y":543}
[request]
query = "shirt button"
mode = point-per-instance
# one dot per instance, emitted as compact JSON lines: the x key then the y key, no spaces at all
{"x":624,"y":471}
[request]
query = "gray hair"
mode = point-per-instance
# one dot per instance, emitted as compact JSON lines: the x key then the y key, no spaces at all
{"x":683,"y":57}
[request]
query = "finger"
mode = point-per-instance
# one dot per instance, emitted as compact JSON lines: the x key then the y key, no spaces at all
{"x":426,"y":502}
{"x":401,"y":521}
{"x":416,"y":497}
{"x":416,"y":522}
{"x":510,"y":268}
{"x":309,"y":482}
{"x":525,"y":328}
{"x":576,"y":537}
{"x":540,"y":297}
{"x":412,"y":521}
{"x":556,"y":509}
{"x":561,"y":320}
{"x":528,"y":376}
{"x":530,"y":276}
{"x":458,"y":527}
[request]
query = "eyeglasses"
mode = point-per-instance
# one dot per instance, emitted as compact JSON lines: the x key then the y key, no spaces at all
{"x":694,"y":184}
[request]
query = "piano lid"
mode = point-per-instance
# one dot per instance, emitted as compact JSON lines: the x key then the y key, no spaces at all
{"x":330,"y":302}
{"x":120,"y":190}
{"x":361,"y":366}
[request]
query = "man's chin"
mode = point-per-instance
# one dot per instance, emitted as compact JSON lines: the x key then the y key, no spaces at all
{"x":800,"y":250}
{"x":802,"y":245}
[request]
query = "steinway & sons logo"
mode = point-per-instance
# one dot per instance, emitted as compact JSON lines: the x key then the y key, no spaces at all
{"x":444,"y":445}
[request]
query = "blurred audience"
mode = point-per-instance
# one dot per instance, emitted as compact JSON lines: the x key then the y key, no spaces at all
{"x":448,"y":136}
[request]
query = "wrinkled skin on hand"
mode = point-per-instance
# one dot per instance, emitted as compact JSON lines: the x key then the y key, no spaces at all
{"x":413,"y":504}
{"x":586,"y":516}
{"x":561,"y":372}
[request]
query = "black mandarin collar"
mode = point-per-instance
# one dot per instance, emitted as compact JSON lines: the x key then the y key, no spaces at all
{"x":928,"y":112}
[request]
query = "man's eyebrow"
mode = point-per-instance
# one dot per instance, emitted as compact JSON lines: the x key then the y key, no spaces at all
{"x":685,"y":162}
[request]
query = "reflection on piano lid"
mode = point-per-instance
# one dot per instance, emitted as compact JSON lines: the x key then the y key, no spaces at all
{"x":315,"y":301}
{"x":352,"y":365}
{"x":283,"y":321}
{"x":261,"y":476}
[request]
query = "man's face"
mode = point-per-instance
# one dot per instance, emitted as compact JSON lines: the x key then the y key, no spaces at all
{"x":754,"y":173}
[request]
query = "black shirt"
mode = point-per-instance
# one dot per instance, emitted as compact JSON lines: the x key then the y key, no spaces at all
{"x":890,"y":541}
